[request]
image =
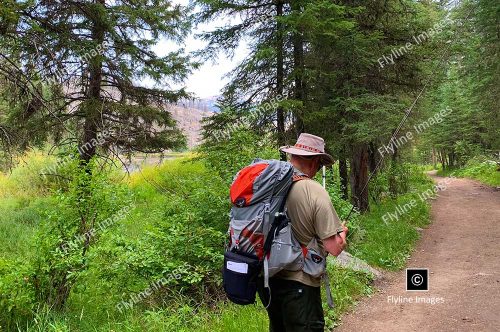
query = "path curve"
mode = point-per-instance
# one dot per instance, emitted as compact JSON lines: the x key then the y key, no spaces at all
{"x":461,"y":248}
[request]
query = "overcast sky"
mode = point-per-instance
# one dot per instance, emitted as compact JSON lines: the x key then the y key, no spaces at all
{"x":209,"y":79}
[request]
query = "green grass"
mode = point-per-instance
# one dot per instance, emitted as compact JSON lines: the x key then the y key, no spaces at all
{"x":348,"y":286}
{"x":388,"y":245}
{"x":18,"y":220}
{"x":91,"y":306}
{"x":484,"y":171}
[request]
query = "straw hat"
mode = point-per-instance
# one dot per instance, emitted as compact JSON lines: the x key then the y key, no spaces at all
{"x":309,"y":145}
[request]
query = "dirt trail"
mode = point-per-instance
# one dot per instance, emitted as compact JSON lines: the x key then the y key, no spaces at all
{"x":461,"y":248}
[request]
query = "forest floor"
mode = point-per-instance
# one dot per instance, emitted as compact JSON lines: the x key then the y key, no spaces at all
{"x":460,"y":248}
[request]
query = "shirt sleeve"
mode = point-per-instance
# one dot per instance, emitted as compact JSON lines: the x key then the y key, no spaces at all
{"x":326,"y":220}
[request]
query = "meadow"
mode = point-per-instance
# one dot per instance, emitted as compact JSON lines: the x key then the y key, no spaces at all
{"x":162,"y":231}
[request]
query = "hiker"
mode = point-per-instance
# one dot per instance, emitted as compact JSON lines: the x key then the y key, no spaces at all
{"x":295,"y":303}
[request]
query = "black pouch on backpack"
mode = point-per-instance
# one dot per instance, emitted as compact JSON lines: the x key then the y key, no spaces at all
{"x":240,"y":275}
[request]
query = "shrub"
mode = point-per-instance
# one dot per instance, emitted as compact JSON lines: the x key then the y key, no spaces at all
{"x":70,"y":226}
{"x":17,"y":295}
{"x":187,"y":208}
{"x":227,"y":157}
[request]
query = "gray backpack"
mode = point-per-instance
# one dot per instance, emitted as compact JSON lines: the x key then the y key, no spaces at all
{"x":261,"y":241}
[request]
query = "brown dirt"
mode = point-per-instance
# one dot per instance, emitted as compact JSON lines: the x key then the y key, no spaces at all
{"x":461,"y":248}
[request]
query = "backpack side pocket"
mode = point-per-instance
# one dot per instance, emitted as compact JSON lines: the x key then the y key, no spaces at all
{"x":240,"y":275}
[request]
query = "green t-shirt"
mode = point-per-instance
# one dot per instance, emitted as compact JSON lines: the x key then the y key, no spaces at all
{"x":312,"y":214}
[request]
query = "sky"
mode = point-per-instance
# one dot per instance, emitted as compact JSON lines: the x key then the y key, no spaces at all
{"x":208,"y":80}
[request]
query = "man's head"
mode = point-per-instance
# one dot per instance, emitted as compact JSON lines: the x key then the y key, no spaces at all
{"x":307,"y":165}
{"x":308,"y":154}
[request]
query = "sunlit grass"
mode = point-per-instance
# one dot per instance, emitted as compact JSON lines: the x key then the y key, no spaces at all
{"x":487,"y":172}
{"x":90,"y":308}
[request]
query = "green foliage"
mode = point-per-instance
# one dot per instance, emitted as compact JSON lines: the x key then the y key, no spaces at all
{"x":17,"y":294}
{"x":477,"y":37}
{"x":347,"y":287}
{"x":30,"y":177}
{"x":348,"y":44}
{"x":89,"y":48}
{"x":227,"y":156}
{"x":388,"y":243}
{"x":184,"y":224}
{"x":176,"y":228}
{"x":469,"y":86}
{"x":312,"y":66}
{"x":479,"y":168}
{"x":69,"y":228}
{"x":19,"y":220}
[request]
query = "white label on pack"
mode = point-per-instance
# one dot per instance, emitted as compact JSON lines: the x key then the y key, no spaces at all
{"x":237,"y":267}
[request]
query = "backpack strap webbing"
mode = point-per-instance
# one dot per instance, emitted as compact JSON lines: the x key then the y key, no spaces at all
{"x":297,"y":177}
{"x":280,"y":221}
{"x":328,"y":291}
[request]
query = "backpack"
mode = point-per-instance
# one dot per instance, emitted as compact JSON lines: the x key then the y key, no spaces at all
{"x":261,"y":241}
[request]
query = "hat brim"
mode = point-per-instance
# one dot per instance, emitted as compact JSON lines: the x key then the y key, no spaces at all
{"x":326,"y":159}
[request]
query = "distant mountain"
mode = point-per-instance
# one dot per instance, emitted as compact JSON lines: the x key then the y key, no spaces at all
{"x":203,"y":104}
{"x":189,"y":120}
{"x":187,"y":113}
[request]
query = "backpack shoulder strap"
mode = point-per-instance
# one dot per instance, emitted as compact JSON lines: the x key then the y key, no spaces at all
{"x":281,"y":214}
{"x":298,"y":175}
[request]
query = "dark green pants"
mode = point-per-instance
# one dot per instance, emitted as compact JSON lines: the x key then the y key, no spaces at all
{"x":294,"y":307}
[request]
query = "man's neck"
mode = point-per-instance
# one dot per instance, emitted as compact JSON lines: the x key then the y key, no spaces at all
{"x":298,"y":168}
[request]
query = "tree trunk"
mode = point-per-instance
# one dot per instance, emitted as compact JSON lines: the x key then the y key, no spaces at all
{"x":393,"y":184}
{"x":359,"y":177}
{"x":442,"y":156}
{"x":374,"y":157}
{"x":451,"y":159}
{"x":280,"y":116}
{"x":88,"y":146}
{"x":298,"y":66}
{"x":87,"y":149}
{"x":434,"y":159}
{"x":344,"y":178}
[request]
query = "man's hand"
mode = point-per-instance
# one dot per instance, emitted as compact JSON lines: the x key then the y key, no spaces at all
{"x":346,"y":230}
{"x":335,"y":244}
{"x":344,"y":233}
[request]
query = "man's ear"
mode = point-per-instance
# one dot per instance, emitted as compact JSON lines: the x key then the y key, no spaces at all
{"x":318,"y":162}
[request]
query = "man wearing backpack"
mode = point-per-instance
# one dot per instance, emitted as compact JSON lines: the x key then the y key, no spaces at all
{"x":295,"y":303}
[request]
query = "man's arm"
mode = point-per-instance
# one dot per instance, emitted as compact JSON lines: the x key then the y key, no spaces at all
{"x":335,"y":244}
{"x":327,"y":222}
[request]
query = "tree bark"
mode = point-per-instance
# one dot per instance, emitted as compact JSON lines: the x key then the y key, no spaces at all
{"x":442,"y":156}
{"x":280,"y":116}
{"x":298,"y":66}
{"x":88,"y":146}
{"x":434,"y":159}
{"x":393,"y":183}
{"x":359,"y":177}
{"x":344,"y":178}
{"x":374,"y":157}
{"x":451,"y":159}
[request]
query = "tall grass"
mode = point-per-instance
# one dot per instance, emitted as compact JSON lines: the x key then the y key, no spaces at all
{"x":179,"y":192}
{"x":485,"y":171}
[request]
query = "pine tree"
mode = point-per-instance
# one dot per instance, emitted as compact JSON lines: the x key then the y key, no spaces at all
{"x":468,"y":87}
{"x":350,"y":90}
{"x":478,"y":36}
{"x":262,"y":84}
{"x":73,"y":72}
{"x":75,"y":69}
